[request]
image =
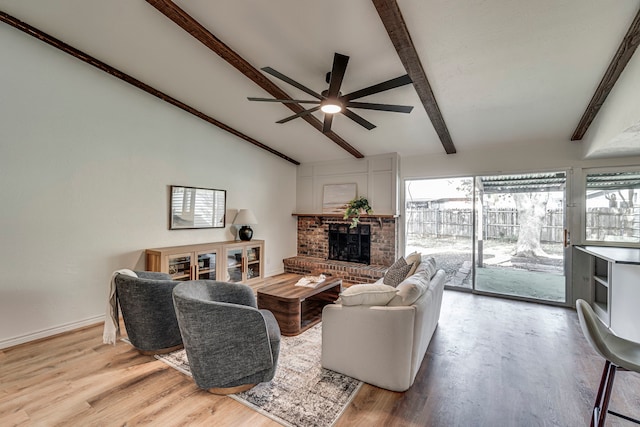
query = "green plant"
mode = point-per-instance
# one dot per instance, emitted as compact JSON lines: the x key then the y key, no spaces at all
{"x":355,"y":208}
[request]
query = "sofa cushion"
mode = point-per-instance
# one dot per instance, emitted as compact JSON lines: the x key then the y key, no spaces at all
{"x":427,"y":266}
{"x":367,"y":294}
{"x":410,"y":290}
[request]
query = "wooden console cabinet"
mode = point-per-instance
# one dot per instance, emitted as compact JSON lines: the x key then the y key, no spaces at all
{"x":230,"y":261}
{"x":609,"y":279}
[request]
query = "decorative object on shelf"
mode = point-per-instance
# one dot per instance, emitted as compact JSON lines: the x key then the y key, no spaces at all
{"x":245,"y":217}
{"x":192,"y":207}
{"x":335,"y":197}
{"x":355,"y":208}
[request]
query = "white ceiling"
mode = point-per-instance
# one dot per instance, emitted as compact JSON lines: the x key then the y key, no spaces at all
{"x":503,"y":71}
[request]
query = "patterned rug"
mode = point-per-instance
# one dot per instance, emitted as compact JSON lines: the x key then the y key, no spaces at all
{"x":302,"y":393}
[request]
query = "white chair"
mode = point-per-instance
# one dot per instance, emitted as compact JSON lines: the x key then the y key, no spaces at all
{"x":619,"y":354}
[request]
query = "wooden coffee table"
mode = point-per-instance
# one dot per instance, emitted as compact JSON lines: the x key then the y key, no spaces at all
{"x":297,"y":308}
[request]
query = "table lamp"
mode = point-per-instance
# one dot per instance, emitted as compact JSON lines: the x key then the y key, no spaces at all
{"x":244,"y":218}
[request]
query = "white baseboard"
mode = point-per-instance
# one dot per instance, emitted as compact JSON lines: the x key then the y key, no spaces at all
{"x":44,"y":333}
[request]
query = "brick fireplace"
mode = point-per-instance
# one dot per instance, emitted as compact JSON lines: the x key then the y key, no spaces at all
{"x":313,"y":248}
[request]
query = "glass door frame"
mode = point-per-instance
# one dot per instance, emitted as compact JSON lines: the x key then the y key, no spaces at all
{"x":571,"y":226}
{"x":567,"y":196}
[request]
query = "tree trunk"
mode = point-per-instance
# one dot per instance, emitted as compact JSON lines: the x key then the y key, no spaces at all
{"x":532,"y":209}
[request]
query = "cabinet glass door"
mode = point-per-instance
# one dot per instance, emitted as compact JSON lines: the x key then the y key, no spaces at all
{"x":207,"y":263}
{"x":234,"y":265}
{"x":253,"y":262}
{"x":180,"y":266}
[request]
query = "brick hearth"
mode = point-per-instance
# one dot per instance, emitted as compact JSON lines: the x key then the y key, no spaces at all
{"x":313,"y":249}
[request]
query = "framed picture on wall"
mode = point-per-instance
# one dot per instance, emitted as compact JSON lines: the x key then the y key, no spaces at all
{"x":191,"y":207}
{"x":335,"y":197}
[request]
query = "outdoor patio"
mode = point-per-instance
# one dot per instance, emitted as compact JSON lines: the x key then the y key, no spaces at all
{"x":535,"y":277}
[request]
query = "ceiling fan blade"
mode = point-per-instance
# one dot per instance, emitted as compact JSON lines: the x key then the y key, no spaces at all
{"x":300,"y":114}
{"x":380,"y":107}
{"x":291,"y":82}
{"x":380,"y":87}
{"x":358,"y":119}
{"x":284,"y":101}
{"x":337,"y":74}
{"x":326,"y":125}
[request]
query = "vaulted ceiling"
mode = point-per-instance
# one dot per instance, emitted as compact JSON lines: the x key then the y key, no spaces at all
{"x":486,"y":73}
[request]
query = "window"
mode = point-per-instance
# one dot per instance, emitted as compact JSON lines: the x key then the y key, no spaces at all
{"x":612,"y":207}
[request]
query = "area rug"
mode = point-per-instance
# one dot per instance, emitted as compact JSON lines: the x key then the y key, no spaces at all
{"x":302,"y":393}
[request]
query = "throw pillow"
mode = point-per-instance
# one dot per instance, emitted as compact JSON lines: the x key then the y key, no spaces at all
{"x":394,"y":276}
{"x":400,"y":262}
{"x":413,"y":259}
{"x":367,"y":294}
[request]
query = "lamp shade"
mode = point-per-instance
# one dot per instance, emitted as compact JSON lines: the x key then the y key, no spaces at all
{"x":245,"y":217}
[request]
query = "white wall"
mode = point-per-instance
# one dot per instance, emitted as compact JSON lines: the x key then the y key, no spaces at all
{"x":85,"y":161}
{"x":376,"y":178}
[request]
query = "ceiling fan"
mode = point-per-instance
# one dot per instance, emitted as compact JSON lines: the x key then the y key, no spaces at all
{"x":332,"y":101}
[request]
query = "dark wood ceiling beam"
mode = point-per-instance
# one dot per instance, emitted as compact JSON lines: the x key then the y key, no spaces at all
{"x":204,"y":36}
{"x":624,"y":53}
{"x":399,"y":34}
{"x":50,"y":40}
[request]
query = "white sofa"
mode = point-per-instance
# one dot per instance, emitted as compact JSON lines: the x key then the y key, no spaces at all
{"x":384,"y":345}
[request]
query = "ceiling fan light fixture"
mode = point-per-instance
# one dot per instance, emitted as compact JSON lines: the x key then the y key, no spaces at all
{"x":331,"y":107}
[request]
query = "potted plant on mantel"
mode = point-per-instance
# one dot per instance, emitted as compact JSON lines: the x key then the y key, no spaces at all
{"x":355,"y":208}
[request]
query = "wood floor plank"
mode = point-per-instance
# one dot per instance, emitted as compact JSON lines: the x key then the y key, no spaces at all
{"x":491,"y":362}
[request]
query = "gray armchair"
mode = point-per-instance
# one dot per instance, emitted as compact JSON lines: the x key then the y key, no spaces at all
{"x":230,"y":344}
{"x":147,"y":310}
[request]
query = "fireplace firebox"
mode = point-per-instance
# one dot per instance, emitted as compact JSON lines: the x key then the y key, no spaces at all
{"x":350,"y":244}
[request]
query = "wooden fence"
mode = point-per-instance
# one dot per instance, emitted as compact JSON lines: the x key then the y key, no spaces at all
{"x":605,"y":223}
{"x":503,"y":223}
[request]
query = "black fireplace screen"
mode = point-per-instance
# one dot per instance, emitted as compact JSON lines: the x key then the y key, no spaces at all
{"x":350,"y":244}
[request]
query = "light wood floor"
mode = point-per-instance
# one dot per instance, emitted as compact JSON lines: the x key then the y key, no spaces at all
{"x":491,"y":362}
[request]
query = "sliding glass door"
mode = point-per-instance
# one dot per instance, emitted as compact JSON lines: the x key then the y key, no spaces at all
{"x":520,"y":223}
{"x":439,"y":222}
{"x":500,"y":234}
